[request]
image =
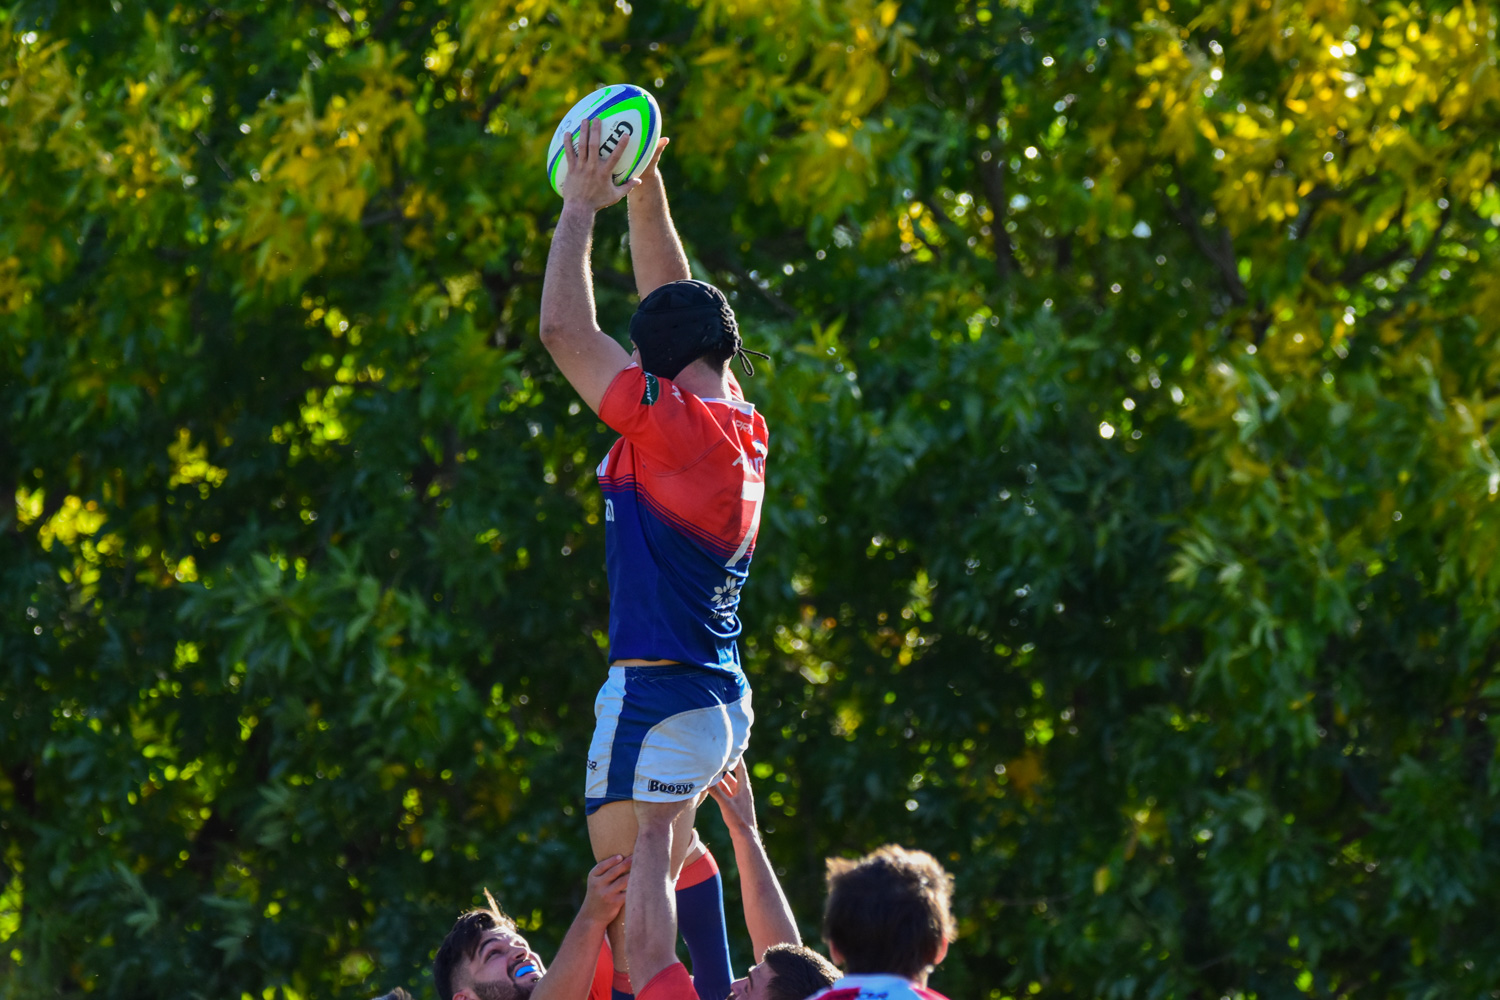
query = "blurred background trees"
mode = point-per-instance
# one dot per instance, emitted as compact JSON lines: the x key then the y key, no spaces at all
{"x":1132,"y":537}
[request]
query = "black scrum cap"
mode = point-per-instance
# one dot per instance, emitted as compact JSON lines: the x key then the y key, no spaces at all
{"x":682,"y":321}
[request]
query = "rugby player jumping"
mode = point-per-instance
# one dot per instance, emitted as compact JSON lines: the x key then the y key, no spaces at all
{"x":682,"y":503}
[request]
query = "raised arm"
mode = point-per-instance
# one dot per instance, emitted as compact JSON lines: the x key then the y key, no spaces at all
{"x":655,"y":251}
{"x":650,"y":909}
{"x":588,"y":357}
{"x":768,"y":916}
{"x":572,"y":971}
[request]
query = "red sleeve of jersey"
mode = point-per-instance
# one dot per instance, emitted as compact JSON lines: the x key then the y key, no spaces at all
{"x":604,"y":974}
{"x":671,"y":426}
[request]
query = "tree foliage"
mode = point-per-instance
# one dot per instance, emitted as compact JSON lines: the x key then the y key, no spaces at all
{"x":1132,"y":539}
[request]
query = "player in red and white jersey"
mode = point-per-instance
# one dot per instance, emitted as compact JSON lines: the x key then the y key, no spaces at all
{"x":888,"y":922}
{"x":682,"y":498}
{"x":877,"y":988}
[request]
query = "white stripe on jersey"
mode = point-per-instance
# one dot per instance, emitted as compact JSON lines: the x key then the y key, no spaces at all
{"x":759,"y":491}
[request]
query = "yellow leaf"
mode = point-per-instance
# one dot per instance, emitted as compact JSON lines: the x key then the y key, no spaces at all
{"x":1025,"y":771}
{"x":720,"y":54}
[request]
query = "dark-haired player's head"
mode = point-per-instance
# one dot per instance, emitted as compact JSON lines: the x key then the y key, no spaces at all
{"x":481,"y":956}
{"x":888,"y":912}
{"x":682,"y":322}
{"x":785,"y":972}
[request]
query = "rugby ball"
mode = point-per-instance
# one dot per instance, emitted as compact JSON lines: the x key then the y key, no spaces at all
{"x":630,"y":116}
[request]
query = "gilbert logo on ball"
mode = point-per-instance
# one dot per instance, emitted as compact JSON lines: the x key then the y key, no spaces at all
{"x":630,"y":116}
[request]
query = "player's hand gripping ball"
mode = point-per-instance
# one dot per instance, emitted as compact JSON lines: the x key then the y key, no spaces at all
{"x":629,"y":115}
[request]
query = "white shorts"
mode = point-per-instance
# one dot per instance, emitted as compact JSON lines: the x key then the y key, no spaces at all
{"x":664,"y":734}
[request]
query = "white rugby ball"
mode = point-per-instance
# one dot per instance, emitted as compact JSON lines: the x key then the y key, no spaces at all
{"x":630,"y":116}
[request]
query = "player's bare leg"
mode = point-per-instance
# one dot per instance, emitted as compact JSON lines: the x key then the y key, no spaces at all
{"x":614,"y":829}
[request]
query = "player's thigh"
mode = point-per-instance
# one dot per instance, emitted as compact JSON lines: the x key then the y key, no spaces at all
{"x":675,"y":816}
{"x":684,"y":839}
{"x":612,"y":830}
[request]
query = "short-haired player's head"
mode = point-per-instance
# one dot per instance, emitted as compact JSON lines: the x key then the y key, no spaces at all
{"x":785,"y":972}
{"x":481,"y":956}
{"x":888,"y":912}
{"x":682,"y":322}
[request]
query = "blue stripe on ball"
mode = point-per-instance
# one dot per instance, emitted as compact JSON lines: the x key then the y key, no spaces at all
{"x":626,"y":93}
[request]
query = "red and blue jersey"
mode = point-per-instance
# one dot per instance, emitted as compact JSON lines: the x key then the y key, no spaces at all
{"x":682,"y":497}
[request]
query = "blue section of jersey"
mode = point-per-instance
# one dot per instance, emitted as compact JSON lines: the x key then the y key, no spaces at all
{"x":671,"y":596}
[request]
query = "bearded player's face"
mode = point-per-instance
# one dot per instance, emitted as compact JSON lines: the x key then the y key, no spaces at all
{"x":755,"y":985}
{"x":492,"y":970}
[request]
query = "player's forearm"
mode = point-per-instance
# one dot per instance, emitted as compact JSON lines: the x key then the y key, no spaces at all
{"x":571,"y":973}
{"x":650,"y":913}
{"x":568,"y":288}
{"x":655,"y":251}
{"x":768,"y":915}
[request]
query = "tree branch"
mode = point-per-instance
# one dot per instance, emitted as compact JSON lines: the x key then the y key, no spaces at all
{"x":992,"y":175}
{"x":381,"y":218}
{"x":1421,"y":267}
{"x":951,"y":229}
{"x":1315,"y":198}
{"x":1361,"y":266}
{"x":1220,"y":254}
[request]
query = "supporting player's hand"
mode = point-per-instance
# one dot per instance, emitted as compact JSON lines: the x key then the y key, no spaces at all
{"x":591,"y":180}
{"x":606,"y":889}
{"x":736,"y":803}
